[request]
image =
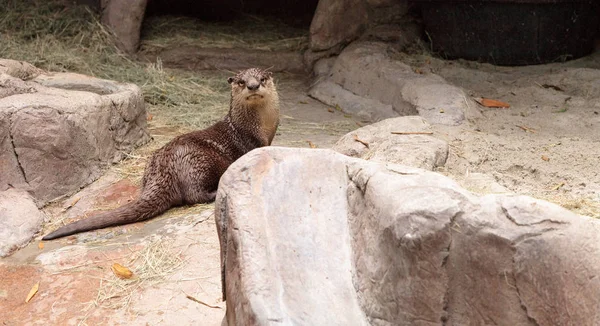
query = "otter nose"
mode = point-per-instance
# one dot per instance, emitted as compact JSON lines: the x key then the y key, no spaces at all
{"x":253,"y":87}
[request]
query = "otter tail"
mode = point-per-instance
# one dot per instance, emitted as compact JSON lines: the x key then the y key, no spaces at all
{"x":138,"y":210}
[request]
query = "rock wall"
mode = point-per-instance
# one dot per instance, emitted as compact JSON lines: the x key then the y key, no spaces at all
{"x":313,"y":237}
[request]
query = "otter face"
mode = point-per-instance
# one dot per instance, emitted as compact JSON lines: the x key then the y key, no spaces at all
{"x":251,"y":86}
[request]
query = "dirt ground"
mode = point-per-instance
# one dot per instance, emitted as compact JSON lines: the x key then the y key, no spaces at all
{"x":547,"y":145}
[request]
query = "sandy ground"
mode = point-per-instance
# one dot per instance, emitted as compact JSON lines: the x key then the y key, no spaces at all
{"x":547,"y":144}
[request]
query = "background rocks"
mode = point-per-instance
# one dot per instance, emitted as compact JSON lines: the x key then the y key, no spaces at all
{"x":406,"y":247}
{"x":366,"y":109}
{"x":366,"y":69}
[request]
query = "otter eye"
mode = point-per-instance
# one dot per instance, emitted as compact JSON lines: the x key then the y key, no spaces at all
{"x":263,"y":79}
{"x":241,"y":83}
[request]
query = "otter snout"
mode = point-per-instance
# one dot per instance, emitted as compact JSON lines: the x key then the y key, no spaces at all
{"x":253,"y":86}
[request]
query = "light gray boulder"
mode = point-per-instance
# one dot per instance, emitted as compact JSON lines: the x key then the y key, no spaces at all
{"x":313,"y":237}
{"x":333,"y":94}
{"x":366,"y":69}
{"x":20,"y":220}
{"x":377,"y":142}
{"x":59,"y":131}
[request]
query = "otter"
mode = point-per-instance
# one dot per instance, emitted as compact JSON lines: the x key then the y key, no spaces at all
{"x":187,"y":169}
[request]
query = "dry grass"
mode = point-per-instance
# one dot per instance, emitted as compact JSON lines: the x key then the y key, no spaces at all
{"x":150,"y":266}
{"x":59,"y":36}
{"x":249,"y":32}
{"x":583,"y":206}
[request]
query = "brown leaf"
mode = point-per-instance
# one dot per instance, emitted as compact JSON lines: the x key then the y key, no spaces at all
{"x":121,"y":271}
{"x":330,"y":110}
{"x":149,"y":117}
{"x":311,"y":144}
{"x":545,"y":158}
{"x":32,"y":292}
{"x":41,"y":245}
{"x":489,"y":103}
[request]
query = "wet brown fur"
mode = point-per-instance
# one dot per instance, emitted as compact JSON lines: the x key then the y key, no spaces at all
{"x":187,"y":169}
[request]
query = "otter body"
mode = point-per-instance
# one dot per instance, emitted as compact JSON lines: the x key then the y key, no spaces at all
{"x":188,"y":168}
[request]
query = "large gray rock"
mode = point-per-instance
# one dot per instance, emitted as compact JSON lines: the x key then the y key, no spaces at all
{"x":333,"y":94}
{"x":367,"y":70}
{"x":58,"y":131}
{"x":377,"y":142}
{"x":313,"y":237}
{"x":20,"y":220}
{"x":337,"y":22}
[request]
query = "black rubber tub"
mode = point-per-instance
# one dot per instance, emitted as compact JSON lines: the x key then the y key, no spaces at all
{"x":511,"y":32}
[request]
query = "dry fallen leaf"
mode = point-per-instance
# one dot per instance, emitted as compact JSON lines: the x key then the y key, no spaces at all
{"x":545,"y":158}
{"x":41,"y":245}
{"x":121,"y":271}
{"x":311,"y":144}
{"x":149,"y":117}
{"x":489,"y":103}
{"x":330,"y":110}
{"x":32,"y":292}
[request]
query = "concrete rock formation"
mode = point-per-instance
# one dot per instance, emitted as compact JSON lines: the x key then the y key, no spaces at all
{"x":58,"y":131}
{"x":313,"y":237}
{"x":20,"y":220}
{"x":366,"y":69}
{"x":337,"y":22}
{"x":124,"y":18}
{"x":368,"y":110}
{"x":378,"y":143}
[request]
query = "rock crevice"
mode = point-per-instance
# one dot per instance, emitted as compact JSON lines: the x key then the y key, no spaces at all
{"x":14,"y":150}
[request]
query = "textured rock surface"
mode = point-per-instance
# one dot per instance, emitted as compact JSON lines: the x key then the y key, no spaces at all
{"x":317,"y":238}
{"x":336,"y":22}
{"x":20,"y":220}
{"x":60,"y":130}
{"x":421,"y":151}
{"x":367,"y":70}
{"x":366,"y":109}
{"x":124,"y":17}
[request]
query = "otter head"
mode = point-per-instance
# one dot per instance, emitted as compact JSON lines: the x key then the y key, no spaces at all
{"x":251,"y":87}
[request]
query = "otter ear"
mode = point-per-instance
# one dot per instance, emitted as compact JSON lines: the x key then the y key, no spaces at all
{"x":230,"y":80}
{"x":268,"y":74}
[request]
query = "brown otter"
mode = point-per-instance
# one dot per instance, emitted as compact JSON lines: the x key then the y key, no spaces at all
{"x":187,"y":169}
